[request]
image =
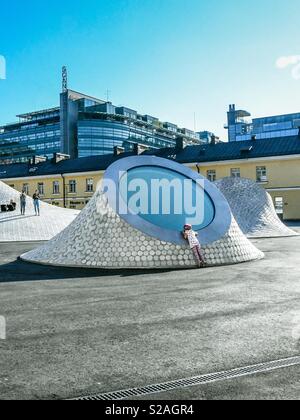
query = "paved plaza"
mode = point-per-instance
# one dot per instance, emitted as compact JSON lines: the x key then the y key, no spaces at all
{"x":15,"y":227}
{"x":75,"y":332}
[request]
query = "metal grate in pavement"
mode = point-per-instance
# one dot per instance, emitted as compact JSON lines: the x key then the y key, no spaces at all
{"x":194,"y":381}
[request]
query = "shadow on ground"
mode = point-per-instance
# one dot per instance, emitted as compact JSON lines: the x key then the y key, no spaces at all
{"x":16,"y":270}
{"x":21,"y":271}
{"x":15,"y":217}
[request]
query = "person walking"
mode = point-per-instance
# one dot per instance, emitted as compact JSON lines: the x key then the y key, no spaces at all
{"x":23,"y":203}
{"x":36,"y":202}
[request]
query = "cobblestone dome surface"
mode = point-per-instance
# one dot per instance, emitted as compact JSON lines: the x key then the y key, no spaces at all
{"x":17,"y":228}
{"x":100,"y":238}
{"x":253,"y":208}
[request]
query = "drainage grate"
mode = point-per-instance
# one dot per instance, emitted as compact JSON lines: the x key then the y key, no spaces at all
{"x":198,"y":380}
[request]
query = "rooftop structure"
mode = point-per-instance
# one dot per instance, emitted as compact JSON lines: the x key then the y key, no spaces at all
{"x":218,"y":152}
{"x":85,"y":126}
{"x":241,"y":127}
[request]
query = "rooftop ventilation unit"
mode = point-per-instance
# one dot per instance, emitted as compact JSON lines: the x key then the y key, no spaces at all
{"x":59,"y":157}
{"x":118,"y":150}
{"x":246,"y":150}
{"x":180,"y":143}
{"x":35,"y":160}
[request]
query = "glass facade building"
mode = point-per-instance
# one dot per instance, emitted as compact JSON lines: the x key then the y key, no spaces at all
{"x":242,"y":128}
{"x":35,"y":134}
{"x":207,"y":136}
{"x":99,"y":137}
{"x":85,"y":126}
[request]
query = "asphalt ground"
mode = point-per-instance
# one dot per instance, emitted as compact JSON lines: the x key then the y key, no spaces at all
{"x":75,"y":332}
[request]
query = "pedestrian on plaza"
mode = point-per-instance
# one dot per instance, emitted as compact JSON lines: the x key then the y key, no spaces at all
{"x":192,"y":238}
{"x":23,"y":203}
{"x":36,"y":202}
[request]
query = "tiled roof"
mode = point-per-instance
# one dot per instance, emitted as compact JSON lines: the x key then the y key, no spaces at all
{"x":235,"y":150}
{"x":87,"y":164}
{"x":200,"y":154}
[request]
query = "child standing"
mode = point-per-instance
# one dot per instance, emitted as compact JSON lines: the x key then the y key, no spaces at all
{"x":194,"y":243}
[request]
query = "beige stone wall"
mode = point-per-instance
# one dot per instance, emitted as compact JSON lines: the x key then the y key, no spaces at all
{"x":283,"y":179}
{"x":282,"y":174}
{"x":291,"y":201}
{"x":76,"y":200}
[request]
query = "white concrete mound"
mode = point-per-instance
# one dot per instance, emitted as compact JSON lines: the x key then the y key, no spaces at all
{"x":100,"y":238}
{"x":17,"y":228}
{"x":253,"y":208}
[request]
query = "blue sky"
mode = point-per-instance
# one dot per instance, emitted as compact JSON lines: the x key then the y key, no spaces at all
{"x":167,"y":58}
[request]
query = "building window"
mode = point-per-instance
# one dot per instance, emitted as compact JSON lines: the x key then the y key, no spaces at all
{"x":279,"y":205}
{"x":56,"y":187}
{"x":90,"y":185}
{"x":72,"y":187}
{"x":41,"y":188}
{"x":26,"y":189}
{"x":261,"y":174}
{"x":212,"y":175}
{"x":235,"y":172}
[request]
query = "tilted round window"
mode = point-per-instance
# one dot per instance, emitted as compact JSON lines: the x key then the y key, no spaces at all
{"x":158,"y":197}
{"x":166,"y":199}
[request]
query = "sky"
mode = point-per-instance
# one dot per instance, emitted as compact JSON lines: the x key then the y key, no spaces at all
{"x":183,"y":61}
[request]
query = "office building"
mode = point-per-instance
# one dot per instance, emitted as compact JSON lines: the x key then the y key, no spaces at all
{"x":85,"y":126}
{"x":241,"y":127}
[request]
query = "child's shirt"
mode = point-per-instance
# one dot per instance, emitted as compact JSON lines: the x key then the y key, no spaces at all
{"x":192,"y":238}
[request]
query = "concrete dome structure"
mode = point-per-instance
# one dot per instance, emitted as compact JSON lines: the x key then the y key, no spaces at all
{"x":100,"y":237}
{"x":253,"y":208}
{"x":17,"y":228}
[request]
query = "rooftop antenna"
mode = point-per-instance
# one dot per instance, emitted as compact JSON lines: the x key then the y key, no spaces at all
{"x":64,"y":79}
{"x":108,"y":93}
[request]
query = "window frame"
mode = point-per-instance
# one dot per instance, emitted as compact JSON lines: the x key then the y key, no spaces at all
{"x":41,"y":190}
{"x":281,"y":207}
{"x":89,"y":185}
{"x":213,"y":173}
{"x":55,"y":184}
{"x":260,"y":170}
{"x":234,"y":171}
{"x":72,"y":186}
{"x":26,"y":188}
